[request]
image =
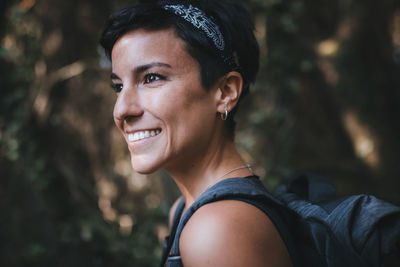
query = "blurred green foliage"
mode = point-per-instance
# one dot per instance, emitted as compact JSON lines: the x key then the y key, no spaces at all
{"x":326,"y":101}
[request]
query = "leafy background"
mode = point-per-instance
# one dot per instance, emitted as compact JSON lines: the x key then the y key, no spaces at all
{"x":326,"y":101}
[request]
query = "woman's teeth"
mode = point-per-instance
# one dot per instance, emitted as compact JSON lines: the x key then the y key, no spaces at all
{"x":142,"y":135}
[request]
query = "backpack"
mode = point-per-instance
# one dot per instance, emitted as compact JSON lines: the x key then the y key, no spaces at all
{"x":358,"y":230}
{"x":318,"y":228}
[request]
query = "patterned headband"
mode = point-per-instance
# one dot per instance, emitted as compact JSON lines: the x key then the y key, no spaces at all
{"x":199,"y":20}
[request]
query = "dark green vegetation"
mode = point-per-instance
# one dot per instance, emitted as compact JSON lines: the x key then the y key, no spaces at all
{"x":327,"y":101}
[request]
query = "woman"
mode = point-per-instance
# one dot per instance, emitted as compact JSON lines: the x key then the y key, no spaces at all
{"x":180,"y":69}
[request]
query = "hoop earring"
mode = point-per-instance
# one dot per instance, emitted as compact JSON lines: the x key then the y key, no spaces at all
{"x":224,"y":116}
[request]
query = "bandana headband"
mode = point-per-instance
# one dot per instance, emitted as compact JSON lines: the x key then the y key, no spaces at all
{"x":199,"y":20}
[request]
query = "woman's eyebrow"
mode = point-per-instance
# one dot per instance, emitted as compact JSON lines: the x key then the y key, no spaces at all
{"x":142,"y":68}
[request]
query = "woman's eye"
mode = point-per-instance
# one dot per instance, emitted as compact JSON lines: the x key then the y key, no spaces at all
{"x":153,"y":77}
{"x":117,"y":87}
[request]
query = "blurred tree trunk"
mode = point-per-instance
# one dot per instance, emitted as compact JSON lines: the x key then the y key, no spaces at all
{"x":317,"y":89}
{"x":371,"y":86}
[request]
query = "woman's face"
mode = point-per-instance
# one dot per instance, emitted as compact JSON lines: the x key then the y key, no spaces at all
{"x":166,"y":116}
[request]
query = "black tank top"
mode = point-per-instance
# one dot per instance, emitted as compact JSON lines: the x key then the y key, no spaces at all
{"x":249,"y":190}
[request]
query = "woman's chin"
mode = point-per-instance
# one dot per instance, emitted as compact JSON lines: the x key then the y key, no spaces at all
{"x":143,"y":168}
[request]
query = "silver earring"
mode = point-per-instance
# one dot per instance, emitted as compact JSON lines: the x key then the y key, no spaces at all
{"x":224,"y":116}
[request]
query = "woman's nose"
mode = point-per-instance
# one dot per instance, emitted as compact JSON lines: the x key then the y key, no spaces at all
{"x":127,"y":105}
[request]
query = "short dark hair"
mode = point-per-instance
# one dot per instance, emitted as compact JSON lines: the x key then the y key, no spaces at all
{"x":233,"y":20}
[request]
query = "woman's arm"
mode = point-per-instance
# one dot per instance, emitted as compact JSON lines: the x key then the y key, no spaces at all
{"x":232,"y":233}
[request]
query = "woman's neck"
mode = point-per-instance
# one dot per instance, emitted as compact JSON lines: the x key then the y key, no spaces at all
{"x":207,"y":170}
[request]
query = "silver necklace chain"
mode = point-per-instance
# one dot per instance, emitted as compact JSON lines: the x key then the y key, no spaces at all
{"x":230,"y":171}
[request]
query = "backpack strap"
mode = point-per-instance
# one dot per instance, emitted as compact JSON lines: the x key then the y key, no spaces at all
{"x":170,"y":239}
{"x":311,"y":187}
{"x":248,"y":189}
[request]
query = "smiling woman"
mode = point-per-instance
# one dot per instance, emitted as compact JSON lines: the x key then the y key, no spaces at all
{"x":161,"y":93}
{"x":180,"y":69}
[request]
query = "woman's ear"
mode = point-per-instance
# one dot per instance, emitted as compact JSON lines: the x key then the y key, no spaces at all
{"x":229,"y":90}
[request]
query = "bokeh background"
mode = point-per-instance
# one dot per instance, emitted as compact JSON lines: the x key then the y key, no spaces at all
{"x":327,"y":101}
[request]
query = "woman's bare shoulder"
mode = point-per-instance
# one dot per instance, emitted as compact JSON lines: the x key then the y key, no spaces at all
{"x":232,"y":233}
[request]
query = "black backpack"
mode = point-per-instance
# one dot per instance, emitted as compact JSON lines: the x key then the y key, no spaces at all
{"x":359,"y":230}
{"x":319,"y":228}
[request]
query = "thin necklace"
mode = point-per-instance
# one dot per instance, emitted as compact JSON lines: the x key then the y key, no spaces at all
{"x":230,"y":171}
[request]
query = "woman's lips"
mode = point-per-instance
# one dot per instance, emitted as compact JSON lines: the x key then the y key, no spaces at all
{"x":140,"y":135}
